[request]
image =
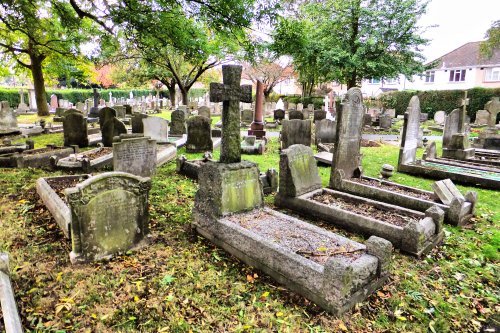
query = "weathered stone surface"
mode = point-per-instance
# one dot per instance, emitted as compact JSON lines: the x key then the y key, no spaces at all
{"x":204,"y":111}
{"x":109,"y":215}
{"x":178,"y":123}
{"x":8,"y":120}
{"x":136,"y":156}
{"x":11,"y":320}
{"x":439,"y":117}
{"x":446,"y":191}
{"x":325,"y":131}
{"x":75,"y":129}
{"x":319,"y":115}
{"x":156,"y":128}
{"x":298,"y":171}
{"x":228,"y":188}
{"x":247,"y":116}
{"x":409,"y":139}
{"x":199,"y":135}
{"x":137,"y":124}
{"x":385,"y":121}
{"x":295,"y":132}
{"x":120,"y":111}
{"x":451,"y":127}
{"x":279,"y":115}
{"x":367,"y":119}
{"x":294,"y":114}
{"x":112,"y":127}
{"x":346,"y":151}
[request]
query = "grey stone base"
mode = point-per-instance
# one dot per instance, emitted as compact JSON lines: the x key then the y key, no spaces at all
{"x":165,"y":153}
{"x":81,"y":163}
{"x":458,"y":154}
{"x":336,"y":286}
{"x":416,"y":238}
{"x":32,"y":159}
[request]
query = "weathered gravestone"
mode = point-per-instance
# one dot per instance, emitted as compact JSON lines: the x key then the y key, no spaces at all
{"x":110,"y":126}
{"x":8,"y":121}
{"x":295,"y":132}
{"x":291,"y":106}
{"x":204,"y":111}
{"x":346,"y":151}
{"x":482,"y":117}
{"x":439,"y":117}
{"x":409,"y":139}
{"x":325,"y":131}
{"x":109,"y":214}
{"x":128,"y":109}
{"x":319,"y":115}
{"x":279,"y":115}
{"x":367,"y":119}
{"x":136,"y":156}
{"x":53,"y":102}
{"x":300,"y":107}
{"x":247,"y":116}
{"x":136,"y":121}
{"x":391,"y":112}
{"x":199,"y":135}
{"x":156,"y":128}
{"x":75,"y":128}
{"x":120,"y":111}
{"x":294,"y":114}
{"x":455,"y":141}
{"x":385,"y":121}
{"x":178,"y":123}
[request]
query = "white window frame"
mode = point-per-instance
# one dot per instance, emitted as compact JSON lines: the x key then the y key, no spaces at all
{"x":430,"y":76}
{"x":373,"y":81}
{"x":457,"y":75}
{"x":492,"y":74}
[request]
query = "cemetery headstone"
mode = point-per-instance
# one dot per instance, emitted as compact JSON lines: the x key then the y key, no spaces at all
{"x":204,"y":111}
{"x":439,"y":117}
{"x":8,"y":121}
{"x":409,"y":139}
{"x":319,"y":115}
{"x":247,"y":116}
{"x":482,"y":117}
{"x":367,"y":119}
{"x":178,"y":123}
{"x":295,"y":132}
{"x":110,"y":126}
{"x":156,"y":128}
{"x":136,"y":121}
{"x":279,"y":115}
{"x":385,"y":121}
{"x":294,"y":114}
{"x":53,"y":102}
{"x":75,"y":129}
{"x":325,"y":131}
{"x":300,"y":107}
{"x":199,"y":135}
{"x":136,"y":156}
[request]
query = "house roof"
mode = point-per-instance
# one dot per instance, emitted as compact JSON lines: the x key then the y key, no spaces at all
{"x":467,"y":55}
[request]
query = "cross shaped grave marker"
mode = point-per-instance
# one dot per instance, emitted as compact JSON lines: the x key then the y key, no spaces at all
{"x":493,"y":107}
{"x":230,"y":93}
{"x":461,"y":119}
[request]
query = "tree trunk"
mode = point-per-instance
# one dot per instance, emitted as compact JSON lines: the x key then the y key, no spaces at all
{"x":171,"y":92}
{"x":39,"y":85}
{"x":184,"y":93}
{"x":351,"y":82}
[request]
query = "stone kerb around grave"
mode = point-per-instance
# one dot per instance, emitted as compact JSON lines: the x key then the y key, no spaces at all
{"x":8,"y":307}
{"x":415,"y":234}
{"x":109,"y":215}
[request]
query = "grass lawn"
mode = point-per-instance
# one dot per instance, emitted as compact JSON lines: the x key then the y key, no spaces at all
{"x":182,"y":283}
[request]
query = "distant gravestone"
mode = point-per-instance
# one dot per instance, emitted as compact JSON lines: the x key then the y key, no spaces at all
{"x":306,"y":113}
{"x":8,"y":120}
{"x":109,"y":215}
{"x":278,"y":115}
{"x":391,"y":112}
{"x":110,"y":126}
{"x":136,"y":121}
{"x":105,"y":114}
{"x":367,"y":119}
{"x":75,"y":129}
{"x":439,"y":117}
{"x":178,"y":123}
{"x":204,"y":111}
{"x":482,"y":117}
{"x":156,"y":128}
{"x":409,"y":140}
{"x":80,"y":107}
{"x":136,"y":156}
{"x":346,"y":150}
{"x":199,"y":135}
{"x":295,"y":132}
{"x":300,"y":107}
{"x":298,"y":171}
{"x":120,"y":111}
{"x":451,"y":126}
{"x":292,"y":106}
{"x":325,"y":131}
{"x":294,"y":114}
{"x":319,"y":115}
{"x":247,"y":116}
{"x":424,"y":117}
{"x":310,"y":107}
{"x":53,"y":102}
{"x":385,"y":121}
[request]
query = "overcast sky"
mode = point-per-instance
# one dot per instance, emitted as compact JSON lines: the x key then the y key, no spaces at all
{"x":459,"y":22}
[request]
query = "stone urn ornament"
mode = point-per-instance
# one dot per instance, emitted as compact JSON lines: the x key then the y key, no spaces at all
{"x":387,"y":171}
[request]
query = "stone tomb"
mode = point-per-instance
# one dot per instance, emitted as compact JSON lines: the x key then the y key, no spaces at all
{"x":75,"y":129}
{"x":455,"y":141}
{"x":136,"y":121}
{"x":34,"y":158}
{"x":295,"y":132}
{"x":136,"y":156}
{"x":459,"y":172}
{"x":87,"y":161}
{"x":156,"y":128}
{"x":300,"y":190}
{"x":11,"y":319}
{"x":103,"y":215}
{"x":229,"y":211}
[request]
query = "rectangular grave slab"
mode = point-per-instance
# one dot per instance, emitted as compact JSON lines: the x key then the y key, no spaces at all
{"x":108,"y":213}
{"x":87,"y":161}
{"x":36,"y":158}
{"x":335,"y":282}
{"x":11,"y":319}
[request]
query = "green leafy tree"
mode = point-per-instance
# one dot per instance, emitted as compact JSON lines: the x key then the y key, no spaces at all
{"x":350,"y":40}
{"x":36,"y":32}
{"x":492,"y":41}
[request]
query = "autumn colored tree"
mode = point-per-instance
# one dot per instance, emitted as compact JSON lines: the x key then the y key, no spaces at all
{"x":269,"y":73}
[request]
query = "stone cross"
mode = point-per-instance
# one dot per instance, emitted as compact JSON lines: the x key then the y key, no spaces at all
{"x":493,"y":107}
{"x":461,"y":120}
{"x":230,"y":93}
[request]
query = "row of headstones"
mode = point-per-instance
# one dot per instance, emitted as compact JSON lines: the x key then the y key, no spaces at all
{"x":483,"y":117}
{"x":280,"y":115}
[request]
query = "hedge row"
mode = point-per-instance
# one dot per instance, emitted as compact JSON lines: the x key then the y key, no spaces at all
{"x":440,"y":100}
{"x":80,"y":95}
{"x":318,"y":101}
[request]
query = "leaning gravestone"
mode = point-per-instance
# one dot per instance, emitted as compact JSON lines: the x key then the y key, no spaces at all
{"x":136,"y":156}
{"x":156,"y":128}
{"x":199,"y":135}
{"x":482,"y":117}
{"x":319,"y":115}
{"x":409,"y":139}
{"x":439,"y":117}
{"x":110,"y":126}
{"x":178,"y":123}
{"x":75,"y":129}
{"x":109,"y":214}
{"x":247,"y":116}
{"x":279,"y":115}
{"x":204,"y":111}
{"x":346,"y":151}
{"x":295,"y":132}
{"x":325,"y":131}
{"x":294,"y":114}
{"x":136,"y":121}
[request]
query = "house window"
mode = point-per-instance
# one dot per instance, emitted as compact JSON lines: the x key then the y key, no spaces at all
{"x":457,"y":75}
{"x":374,"y":81}
{"x":429,"y":77}
{"x":391,"y":81}
{"x":492,"y":74}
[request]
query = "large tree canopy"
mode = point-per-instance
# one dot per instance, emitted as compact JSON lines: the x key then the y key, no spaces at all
{"x":34,"y":32}
{"x":350,"y":40}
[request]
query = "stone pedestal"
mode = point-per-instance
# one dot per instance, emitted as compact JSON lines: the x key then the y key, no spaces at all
{"x":459,"y":148}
